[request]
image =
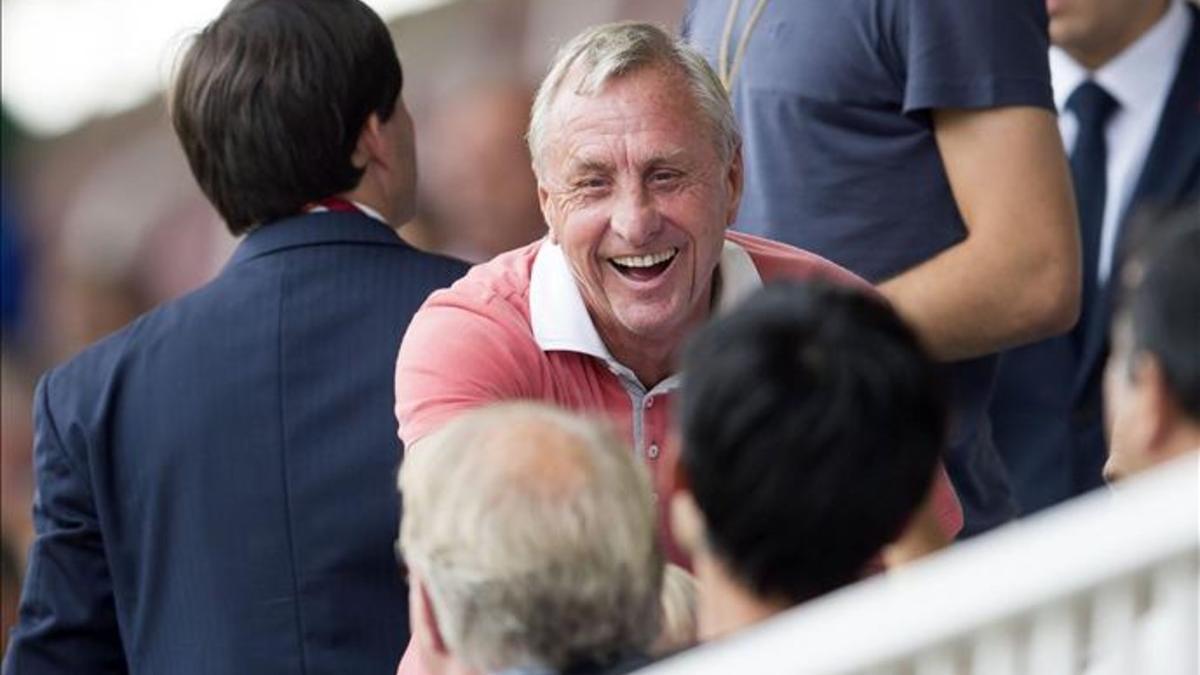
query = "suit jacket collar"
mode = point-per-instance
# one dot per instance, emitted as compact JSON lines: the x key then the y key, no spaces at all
{"x":1173,"y":164}
{"x":309,"y":229}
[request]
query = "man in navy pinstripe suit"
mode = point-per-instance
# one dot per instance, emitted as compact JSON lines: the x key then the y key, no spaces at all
{"x":215,"y":481}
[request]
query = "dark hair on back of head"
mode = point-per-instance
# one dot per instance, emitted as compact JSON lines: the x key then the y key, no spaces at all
{"x":270,"y":98}
{"x":812,"y":422}
{"x":1160,"y":297}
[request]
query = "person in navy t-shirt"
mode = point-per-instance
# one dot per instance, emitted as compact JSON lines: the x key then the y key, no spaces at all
{"x":913,"y":142}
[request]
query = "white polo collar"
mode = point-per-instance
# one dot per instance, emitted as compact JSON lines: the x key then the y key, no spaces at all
{"x":561,"y":322}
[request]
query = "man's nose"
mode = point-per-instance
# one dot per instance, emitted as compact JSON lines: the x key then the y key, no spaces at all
{"x":635,"y":217}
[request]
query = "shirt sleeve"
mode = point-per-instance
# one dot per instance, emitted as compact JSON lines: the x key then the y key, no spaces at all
{"x":459,"y":354}
{"x":67,"y":621}
{"x":973,"y":54}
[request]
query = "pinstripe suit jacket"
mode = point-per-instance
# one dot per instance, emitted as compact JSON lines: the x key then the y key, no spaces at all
{"x":216,"y":480}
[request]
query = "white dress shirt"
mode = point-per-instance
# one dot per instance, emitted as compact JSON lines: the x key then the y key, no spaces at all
{"x":1139,"y":78}
{"x":366,"y":211}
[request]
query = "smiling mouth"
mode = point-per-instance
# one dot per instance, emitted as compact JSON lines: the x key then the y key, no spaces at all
{"x":643,"y":267}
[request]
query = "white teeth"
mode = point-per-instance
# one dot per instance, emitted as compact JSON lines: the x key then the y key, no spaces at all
{"x":644,"y":260}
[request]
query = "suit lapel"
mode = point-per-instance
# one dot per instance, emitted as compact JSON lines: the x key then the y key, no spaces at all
{"x":1171,"y":176}
{"x":1172,"y":169}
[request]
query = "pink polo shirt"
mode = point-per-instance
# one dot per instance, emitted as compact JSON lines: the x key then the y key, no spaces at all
{"x":517,"y":328}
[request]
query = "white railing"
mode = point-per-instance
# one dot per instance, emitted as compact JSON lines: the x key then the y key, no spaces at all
{"x":1104,"y":584}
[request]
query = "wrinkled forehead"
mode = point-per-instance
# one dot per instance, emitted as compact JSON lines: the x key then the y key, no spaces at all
{"x":652,"y":106}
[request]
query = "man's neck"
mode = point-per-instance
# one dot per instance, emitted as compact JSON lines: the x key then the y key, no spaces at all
{"x":368,"y":200}
{"x":724,"y":605}
{"x":1096,"y":56}
{"x":651,"y":359}
{"x":651,"y":362}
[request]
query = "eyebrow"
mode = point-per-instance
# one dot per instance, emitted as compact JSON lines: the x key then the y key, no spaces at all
{"x":579,"y":166}
{"x":589,"y":166}
{"x":667,"y":158}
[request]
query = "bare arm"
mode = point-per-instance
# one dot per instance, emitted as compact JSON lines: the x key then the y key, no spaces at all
{"x":1015,"y":278}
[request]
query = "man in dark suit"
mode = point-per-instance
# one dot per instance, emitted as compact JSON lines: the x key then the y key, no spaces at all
{"x":214,"y":481}
{"x":1126,"y":76}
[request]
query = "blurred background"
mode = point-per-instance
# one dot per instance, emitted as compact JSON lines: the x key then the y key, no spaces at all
{"x":100,"y":219}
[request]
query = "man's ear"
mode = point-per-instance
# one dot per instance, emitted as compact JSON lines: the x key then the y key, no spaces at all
{"x":370,"y":144}
{"x":1159,"y":406}
{"x":687,"y":522}
{"x":547,"y":208}
{"x":736,"y":177}
{"x":434,"y":640}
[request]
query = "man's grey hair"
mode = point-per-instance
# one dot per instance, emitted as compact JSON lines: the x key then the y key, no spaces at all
{"x":602,"y":53}
{"x":533,"y":530}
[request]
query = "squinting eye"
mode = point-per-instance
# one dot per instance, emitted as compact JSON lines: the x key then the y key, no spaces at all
{"x":663,"y":176}
{"x":591,"y":184}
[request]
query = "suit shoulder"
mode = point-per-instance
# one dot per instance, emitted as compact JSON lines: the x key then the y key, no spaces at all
{"x":451,"y":269}
{"x":99,"y":366}
{"x":73,"y":396}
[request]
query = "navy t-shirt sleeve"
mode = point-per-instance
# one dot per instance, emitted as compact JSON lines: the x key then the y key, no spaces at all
{"x":973,"y":53}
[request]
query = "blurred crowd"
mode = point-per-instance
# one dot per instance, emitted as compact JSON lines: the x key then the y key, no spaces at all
{"x":107,"y":222}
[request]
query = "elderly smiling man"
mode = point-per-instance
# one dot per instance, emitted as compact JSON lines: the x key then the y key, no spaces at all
{"x":639,"y":174}
{"x":529,"y":537}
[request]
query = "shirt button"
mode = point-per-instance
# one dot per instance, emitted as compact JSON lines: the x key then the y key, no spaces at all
{"x":652,"y":451}
{"x":649,"y":401}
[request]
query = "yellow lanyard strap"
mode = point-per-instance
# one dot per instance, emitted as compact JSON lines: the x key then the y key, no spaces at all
{"x":726,"y":70}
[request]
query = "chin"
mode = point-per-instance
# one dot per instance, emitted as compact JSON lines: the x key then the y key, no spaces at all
{"x":1115,"y":470}
{"x":652,"y":321}
{"x":1066,"y":31}
{"x":1059,"y":35}
{"x":647,"y":330}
